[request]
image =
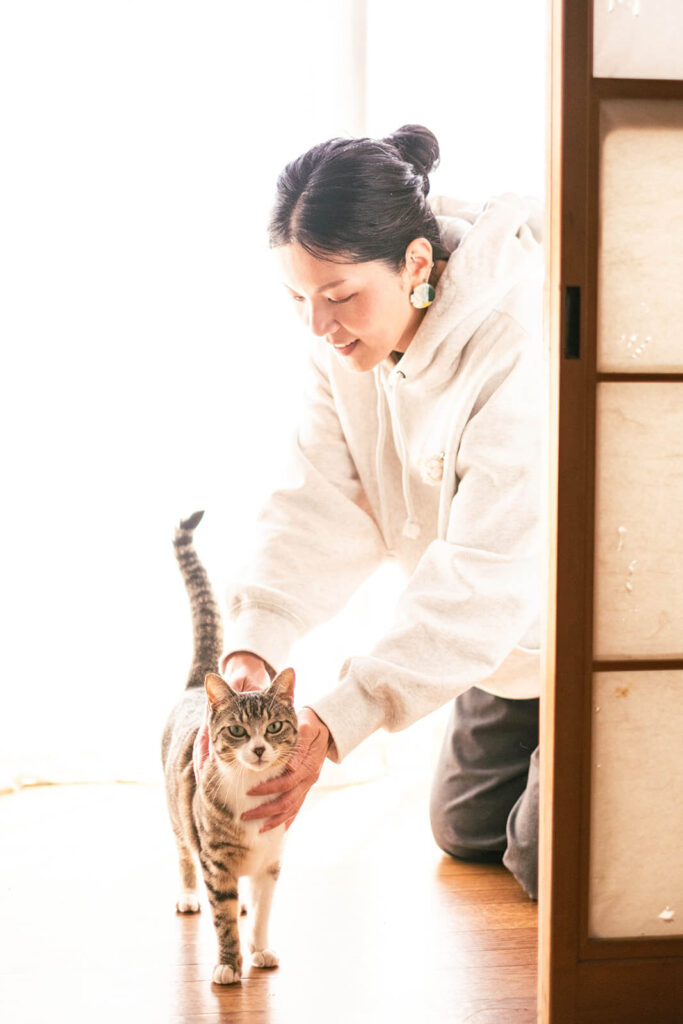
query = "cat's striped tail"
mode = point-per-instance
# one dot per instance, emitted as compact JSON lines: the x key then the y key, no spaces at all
{"x":207,"y":625}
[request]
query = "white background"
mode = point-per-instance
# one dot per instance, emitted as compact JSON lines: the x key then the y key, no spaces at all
{"x":150,"y":362}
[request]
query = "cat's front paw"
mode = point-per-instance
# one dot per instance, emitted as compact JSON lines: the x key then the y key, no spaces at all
{"x":188,"y":903}
{"x":225,"y":974}
{"x":264,"y":958}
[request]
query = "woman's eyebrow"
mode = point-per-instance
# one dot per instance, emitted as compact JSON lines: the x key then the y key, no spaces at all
{"x":331,"y":284}
{"x":323,"y":287}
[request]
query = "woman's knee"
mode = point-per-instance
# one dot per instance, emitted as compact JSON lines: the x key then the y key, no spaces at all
{"x":465,"y":843}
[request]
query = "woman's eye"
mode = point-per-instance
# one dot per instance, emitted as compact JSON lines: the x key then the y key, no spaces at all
{"x":274,"y":727}
{"x":237,"y":731}
{"x":333,"y":302}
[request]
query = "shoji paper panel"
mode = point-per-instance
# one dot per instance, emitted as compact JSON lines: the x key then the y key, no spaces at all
{"x":638,"y":584}
{"x":640,"y":275}
{"x":637,"y":39}
{"x":636,"y":859}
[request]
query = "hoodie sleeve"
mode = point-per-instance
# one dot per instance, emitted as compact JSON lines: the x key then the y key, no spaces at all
{"x":316,"y":540}
{"x":474,"y":594}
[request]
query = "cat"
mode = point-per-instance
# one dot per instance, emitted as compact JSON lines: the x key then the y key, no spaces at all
{"x":252,"y":736}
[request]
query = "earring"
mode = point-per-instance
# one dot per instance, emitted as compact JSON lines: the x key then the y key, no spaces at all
{"x":423,"y":295}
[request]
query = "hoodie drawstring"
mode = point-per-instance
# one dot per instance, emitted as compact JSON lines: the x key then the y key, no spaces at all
{"x":379,"y":453}
{"x":411,"y":527}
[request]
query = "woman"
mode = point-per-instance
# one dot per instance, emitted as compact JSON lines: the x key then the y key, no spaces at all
{"x":420,"y":441}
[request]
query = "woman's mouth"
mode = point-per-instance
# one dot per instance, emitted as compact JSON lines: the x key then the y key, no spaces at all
{"x":345,"y":348}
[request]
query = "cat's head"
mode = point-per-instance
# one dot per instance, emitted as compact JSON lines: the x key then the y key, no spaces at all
{"x":256,"y":729}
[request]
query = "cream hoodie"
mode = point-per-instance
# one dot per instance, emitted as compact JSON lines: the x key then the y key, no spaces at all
{"x":435,"y":461}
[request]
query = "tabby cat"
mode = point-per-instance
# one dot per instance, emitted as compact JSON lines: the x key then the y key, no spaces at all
{"x":252,"y":736}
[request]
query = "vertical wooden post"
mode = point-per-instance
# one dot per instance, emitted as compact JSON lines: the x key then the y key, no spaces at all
{"x":582,"y":980}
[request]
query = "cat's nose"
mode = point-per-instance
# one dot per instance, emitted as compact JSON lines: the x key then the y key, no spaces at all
{"x":259,"y":751}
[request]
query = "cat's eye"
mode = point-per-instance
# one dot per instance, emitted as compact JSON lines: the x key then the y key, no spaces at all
{"x":274,"y":727}
{"x":237,"y":731}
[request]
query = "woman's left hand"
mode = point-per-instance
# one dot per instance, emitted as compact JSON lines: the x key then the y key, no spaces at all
{"x":300,"y":773}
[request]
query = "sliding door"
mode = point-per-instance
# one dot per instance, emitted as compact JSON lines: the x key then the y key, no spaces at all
{"x":611,"y":904}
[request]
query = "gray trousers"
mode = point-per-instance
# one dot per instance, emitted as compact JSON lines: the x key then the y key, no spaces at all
{"x":484,"y":801}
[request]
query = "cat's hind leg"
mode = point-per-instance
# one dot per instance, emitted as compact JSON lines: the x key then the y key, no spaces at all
{"x":188,"y":900}
{"x":262,"y":888}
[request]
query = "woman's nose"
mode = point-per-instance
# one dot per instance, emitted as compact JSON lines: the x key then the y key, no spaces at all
{"x":321,"y":321}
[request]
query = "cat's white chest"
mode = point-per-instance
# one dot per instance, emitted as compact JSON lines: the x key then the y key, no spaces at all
{"x":263,"y":847}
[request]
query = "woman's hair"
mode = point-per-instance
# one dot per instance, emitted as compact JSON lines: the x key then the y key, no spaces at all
{"x":356,"y":200}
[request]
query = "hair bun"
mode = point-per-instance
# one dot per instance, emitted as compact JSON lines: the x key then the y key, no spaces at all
{"x":417,"y":146}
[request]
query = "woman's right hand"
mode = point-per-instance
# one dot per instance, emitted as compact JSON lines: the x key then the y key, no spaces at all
{"x":243,"y":670}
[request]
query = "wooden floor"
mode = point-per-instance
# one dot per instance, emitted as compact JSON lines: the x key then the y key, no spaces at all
{"x":372,"y":923}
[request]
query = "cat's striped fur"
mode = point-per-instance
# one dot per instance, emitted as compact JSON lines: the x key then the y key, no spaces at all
{"x":252,"y":736}
{"x":207,"y":626}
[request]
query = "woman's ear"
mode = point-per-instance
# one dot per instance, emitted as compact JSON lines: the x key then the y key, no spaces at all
{"x":283,"y":684}
{"x":419,"y":261}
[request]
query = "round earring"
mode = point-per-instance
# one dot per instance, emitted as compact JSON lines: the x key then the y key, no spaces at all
{"x":422,"y":295}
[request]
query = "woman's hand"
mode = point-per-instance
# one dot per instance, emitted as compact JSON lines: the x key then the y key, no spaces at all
{"x":299,"y":774}
{"x":245,"y":671}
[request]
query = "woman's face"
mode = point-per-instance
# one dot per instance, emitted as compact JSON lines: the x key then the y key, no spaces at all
{"x":362,"y":310}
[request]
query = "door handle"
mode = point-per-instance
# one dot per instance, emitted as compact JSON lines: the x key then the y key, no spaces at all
{"x":572,"y":322}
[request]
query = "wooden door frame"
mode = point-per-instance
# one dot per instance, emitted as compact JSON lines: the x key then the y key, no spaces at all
{"x":581,"y":979}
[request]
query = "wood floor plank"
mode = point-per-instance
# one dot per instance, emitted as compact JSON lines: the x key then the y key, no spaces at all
{"x":372,"y":922}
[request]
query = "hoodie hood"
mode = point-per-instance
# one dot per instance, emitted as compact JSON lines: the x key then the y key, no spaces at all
{"x":494,"y":248}
{"x":494,"y":268}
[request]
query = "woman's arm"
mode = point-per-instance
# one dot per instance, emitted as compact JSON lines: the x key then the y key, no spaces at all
{"x":315,"y":543}
{"x":472,"y":597}
{"x":475,"y":594}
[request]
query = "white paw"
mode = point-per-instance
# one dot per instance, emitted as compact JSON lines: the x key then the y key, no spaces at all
{"x":264,"y":958}
{"x":188,"y":903}
{"x":224,"y":974}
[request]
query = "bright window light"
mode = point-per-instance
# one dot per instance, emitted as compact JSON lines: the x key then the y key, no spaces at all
{"x":152,"y":365}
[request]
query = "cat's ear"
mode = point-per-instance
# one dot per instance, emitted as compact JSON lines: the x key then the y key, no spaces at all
{"x":217,"y":690}
{"x":283,"y":684}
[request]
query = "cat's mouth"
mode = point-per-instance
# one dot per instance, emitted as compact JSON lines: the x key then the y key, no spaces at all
{"x":258,"y":764}
{"x":277,"y":759}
